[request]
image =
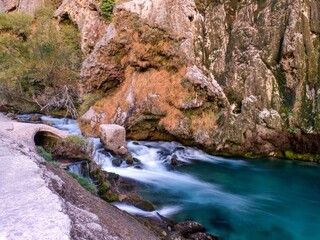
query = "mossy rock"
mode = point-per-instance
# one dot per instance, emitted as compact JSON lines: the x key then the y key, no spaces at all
{"x":302,"y":156}
{"x":110,"y":197}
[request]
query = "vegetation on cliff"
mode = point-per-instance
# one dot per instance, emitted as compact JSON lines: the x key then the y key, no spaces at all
{"x":106,"y":7}
{"x":39,"y":62}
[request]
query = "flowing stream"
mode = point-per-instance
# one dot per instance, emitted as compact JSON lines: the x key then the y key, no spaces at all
{"x":233,"y":198}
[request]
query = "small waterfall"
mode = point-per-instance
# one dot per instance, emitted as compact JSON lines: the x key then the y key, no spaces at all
{"x":75,"y":168}
{"x":165,"y":211}
{"x":81,"y":169}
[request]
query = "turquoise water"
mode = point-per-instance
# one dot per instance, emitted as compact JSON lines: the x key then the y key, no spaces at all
{"x":235,"y":199}
{"x":255,"y":199}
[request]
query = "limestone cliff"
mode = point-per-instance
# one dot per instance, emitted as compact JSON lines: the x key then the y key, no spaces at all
{"x":239,"y":77}
{"x":20,"y":5}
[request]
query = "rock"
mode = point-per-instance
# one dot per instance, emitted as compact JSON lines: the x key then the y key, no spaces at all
{"x":86,"y":16}
{"x":202,"y":236}
{"x":175,"y":236}
{"x":143,"y":204}
{"x":112,"y":176}
{"x":114,"y":139}
{"x":271,"y":118}
{"x":188,"y":227}
{"x":47,"y":122}
{"x":11,"y":115}
{"x":92,"y":117}
{"x":216,"y":70}
{"x":117,"y":162}
{"x":34,"y":118}
{"x":174,"y":160}
{"x":129,"y":160}
{"x":20,"y":5}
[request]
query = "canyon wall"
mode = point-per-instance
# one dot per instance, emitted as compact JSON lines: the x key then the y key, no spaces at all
{"x":233,"y":77}
{"x":21,"y":5}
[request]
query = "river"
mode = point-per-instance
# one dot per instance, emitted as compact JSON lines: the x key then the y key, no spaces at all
{"x":233,"y":198}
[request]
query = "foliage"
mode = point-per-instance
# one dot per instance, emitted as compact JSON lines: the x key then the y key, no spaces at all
{"x":73,"y":146}
{"x":293,"y":130}
{"x":43,"y":153}
{"x":47,"y":156}
{"x":106,"y":7}
{"x":84,"y":182}
{"x":39,"y":64}
{"x":80,"y":142}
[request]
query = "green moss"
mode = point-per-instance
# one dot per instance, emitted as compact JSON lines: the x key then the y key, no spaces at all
{"x":302,"y":157}
{"x":84,"y":182}
{"x":235,"y":147}
{"x":249,"y":155}
{"x":103,"y":188}
{"x":110,"y":197}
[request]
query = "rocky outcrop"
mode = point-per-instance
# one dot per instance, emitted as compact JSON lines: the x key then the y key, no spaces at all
{"x":233,"y":77}
{"x":20,"y":5}
{"x":85,"y":14}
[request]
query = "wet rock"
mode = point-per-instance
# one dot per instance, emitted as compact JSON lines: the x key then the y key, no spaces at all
{"x":141,"y":203}
{"x":117,"y":162}
{"x":46,"y":122}
{"x":129,"y":160}
{"x":188,"y":227}
{"x":114,"y":139}
{"x":174,"y":160}
{"x":202,"y":236}
{"x":112,"y":176}
{"x":175,"y":236}
{"x":34,"y":118}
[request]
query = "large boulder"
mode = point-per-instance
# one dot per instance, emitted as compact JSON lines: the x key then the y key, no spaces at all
{"x":113,"y":138}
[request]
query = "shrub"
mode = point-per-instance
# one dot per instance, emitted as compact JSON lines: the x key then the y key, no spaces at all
{"x":106,"y":7}
{"x":39,"y":64}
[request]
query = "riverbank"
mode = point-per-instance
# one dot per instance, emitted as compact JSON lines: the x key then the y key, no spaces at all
{"x":39,"y":201}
